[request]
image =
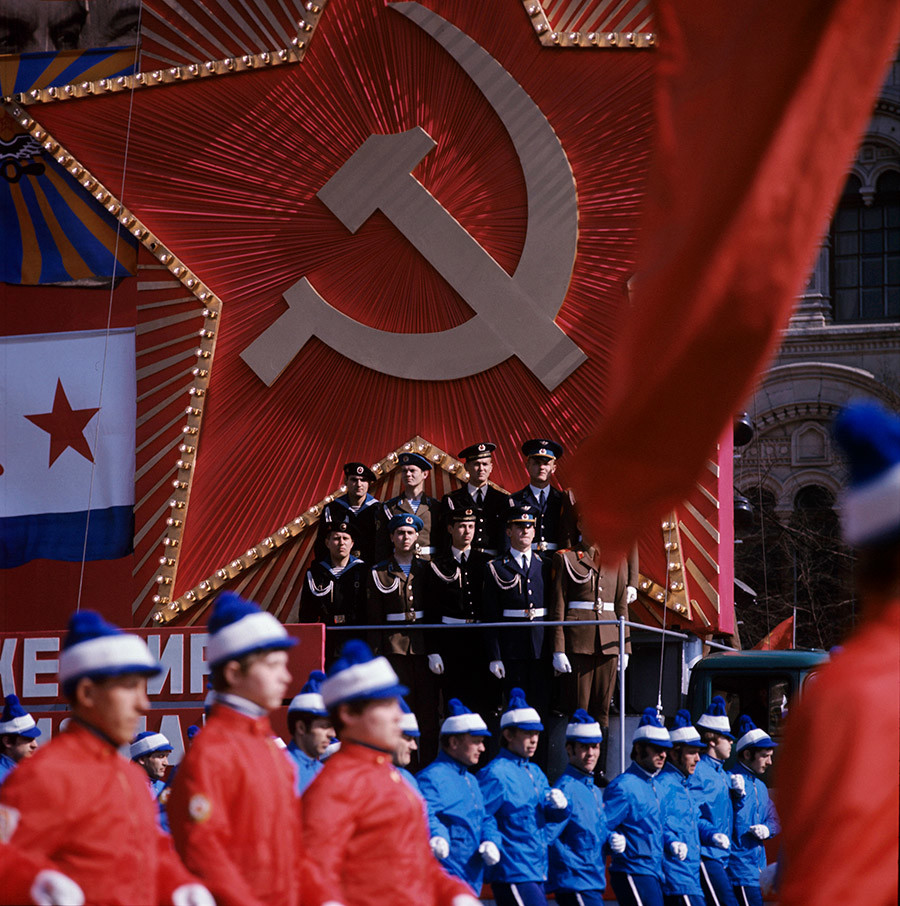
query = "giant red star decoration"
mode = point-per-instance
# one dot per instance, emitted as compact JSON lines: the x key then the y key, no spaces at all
{"x":65,"y":426}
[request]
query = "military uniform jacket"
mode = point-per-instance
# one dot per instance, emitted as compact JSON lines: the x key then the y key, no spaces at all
{"x":398,"y":600}
{"x":555,"y":522}
{"x":634,"y":807}
{"x":334,"y":599}
{"x":576,"y":579}
{"x":453,"y":593}
{"x":490,"y":519}
{"x":428,"y":512}
{"x":364,"y":523}
{"x":509,"y":589}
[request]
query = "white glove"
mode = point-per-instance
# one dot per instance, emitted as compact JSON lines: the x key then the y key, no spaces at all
{"x":497,"y":668}
{"x":53,"y":888}
{"x":625,"y":659}
{"x":192,"y":895}
{"x":737,"y":785}
{"x":561,"y":663}
{"x":440,"y":847}
{"x":721,"y":840}
{"x":436,"y":664}
{"x":760,"y":831}
{"x":489,"y":853}
{"x":617,"y":842}
{"x":465,"y":899}
{"x":678,"y":849}
{"x":556,"y":799}
{"x":630,"y":594}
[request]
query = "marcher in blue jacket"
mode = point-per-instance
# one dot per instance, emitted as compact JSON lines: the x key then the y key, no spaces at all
{"x":310,"y":730}
{"x":18,"y":735}
{"x":409,"y":743}
{"x":468,"y":833}
{"x":681,"y":832}
{"x":578,"y":856}
{"x":754,"y":815}
{"x":150,"y":752}
{"x":634,"y":808}
{"x":529,"y":813}
{"x":712,"y":785}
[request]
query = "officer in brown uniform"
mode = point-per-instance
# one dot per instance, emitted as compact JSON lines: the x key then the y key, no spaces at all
{"x":414,"y":470}
{"x":396,"y":598}
{"x":585,"y":588}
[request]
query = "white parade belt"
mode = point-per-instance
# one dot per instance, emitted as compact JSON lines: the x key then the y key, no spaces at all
{"x":405,"y":617}
{"x":526,"y":614}
{"x":455,"y":620}
{"x":425,"y":550}
{"x":589,"y":605}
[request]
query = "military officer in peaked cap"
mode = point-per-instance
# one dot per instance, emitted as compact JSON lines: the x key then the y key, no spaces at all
{"x":414,"y":469}
{"x":490,"y":504}
{"x":334,"y":591}
{"x":554,"y":525}
{"x":396,"y":598}
{"x":453,"y":591}
{"x":358,"y":507}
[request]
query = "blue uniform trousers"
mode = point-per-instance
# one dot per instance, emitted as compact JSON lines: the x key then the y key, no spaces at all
{"x":716,"y":884}
{"x":636,"y":890}
{"x":579,"y":897}
{"x":684,"y":899}
{"x":748,"y":896}
{"x":520,"y":893}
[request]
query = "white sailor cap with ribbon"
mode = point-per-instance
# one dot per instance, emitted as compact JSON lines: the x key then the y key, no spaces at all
{"x":238,"y":627}
{"x":751,"y":737}
{"x":461,"y":720}
{"x":715,"y":718}
{"x":147,"y":743}
{"x":870,"y":504}
{"x":409,"y":726}
{"x":357,"y":674}
{"x":519,"y":714}
{"x":650,"y":729}
{"x":583,"y":728}
{"x":15,"y":720}
{"x":95,"y":648}
{"x":683,"y":732}
{"x":309,"y":700}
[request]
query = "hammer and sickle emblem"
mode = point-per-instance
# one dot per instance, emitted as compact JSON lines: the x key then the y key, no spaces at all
{"x":514,"y":314}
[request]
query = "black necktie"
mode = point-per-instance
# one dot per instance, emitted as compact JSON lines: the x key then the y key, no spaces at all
{"x":542,"y":499}
{"x":479,"y":496}
{"x":463,"y":557}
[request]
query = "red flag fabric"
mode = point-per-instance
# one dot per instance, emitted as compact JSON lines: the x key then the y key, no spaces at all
{"x":759,"y":107}
{"x":780,"y":638}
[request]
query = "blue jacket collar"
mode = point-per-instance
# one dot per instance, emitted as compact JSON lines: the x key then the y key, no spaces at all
{"x":511,"y":756}
{"x":578,"y":774}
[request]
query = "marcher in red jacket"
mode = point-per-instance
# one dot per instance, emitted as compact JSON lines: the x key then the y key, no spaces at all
{"x":24,"y":880}
{"x":234,"y":811}
{"x":77,"y":802}
{"x":363,"y":826}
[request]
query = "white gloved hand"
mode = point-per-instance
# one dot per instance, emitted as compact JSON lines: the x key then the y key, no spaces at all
{"x":625,"y":659}
{"x":737,"y":785}
{"x":630,"y":594}
{"x":489,"y":853}
{"x":465,"y":899}
{"x":497,"y":668}
{"x":440,"y":847}
{"x":617,"y":842}
{"x":53,"y":888}
{"x":561,"y":663}
{"x":192,"y":895}
{"x":556,"y":799}
{"x":760,"y":831}
{"x":436,"y":664}
{"x":721,"y":840}
{"x":678,"y":849}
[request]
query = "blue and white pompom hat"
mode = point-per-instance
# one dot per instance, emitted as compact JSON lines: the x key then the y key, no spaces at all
{"x":651,"y":730}
{"x":518,"y":713}
{"x":583,"y":728}
{"x":409,"y":726}
{"x":16,"y":721}
{"x":869,"y":435}
{"x":684,"y":733}
{"x":147,"y":743}
{"x":715,"y":718}
{"x":462,"y":720}
{"x":95,"y":648}
{"x":405,"y":520}
{"x":238,"y":627}
{"x":750,"y":736}
{"x":357,"y":674}
{"x":309,"y":700}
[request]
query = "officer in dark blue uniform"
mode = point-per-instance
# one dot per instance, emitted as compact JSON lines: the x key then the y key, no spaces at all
{"x":490,"y":504}
{"x":555,"y":524}
{"x":357,"y":507}
{"x":414,"y":470}
{"x":514,"y":593}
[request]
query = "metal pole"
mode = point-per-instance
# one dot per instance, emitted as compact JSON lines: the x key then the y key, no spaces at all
{"x":621,"y":695}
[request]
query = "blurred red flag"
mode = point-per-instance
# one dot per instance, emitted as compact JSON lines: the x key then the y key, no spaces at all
{"x":759,"y":107}
{"x":780,"y":638}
